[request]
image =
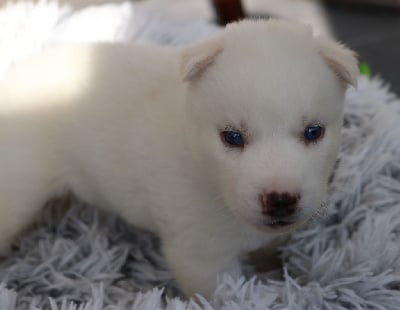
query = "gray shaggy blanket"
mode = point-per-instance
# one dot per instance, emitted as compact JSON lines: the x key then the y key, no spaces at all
{"x":81,"y":258}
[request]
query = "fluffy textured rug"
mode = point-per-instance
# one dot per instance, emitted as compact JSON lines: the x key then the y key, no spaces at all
{"x":90,"y":260}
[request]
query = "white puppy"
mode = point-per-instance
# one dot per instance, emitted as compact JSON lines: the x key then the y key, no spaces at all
{"x":219,"y":148}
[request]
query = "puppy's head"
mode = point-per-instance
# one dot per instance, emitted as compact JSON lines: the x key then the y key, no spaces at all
{"x":264,"y":112}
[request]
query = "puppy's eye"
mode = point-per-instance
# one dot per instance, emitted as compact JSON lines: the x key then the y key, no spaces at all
{"x":313,"y":133}
{"x":233,"y":138}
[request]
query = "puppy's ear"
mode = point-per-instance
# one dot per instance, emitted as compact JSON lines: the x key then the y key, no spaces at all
{"x":340,"y":59}
{"x":195,"y":59}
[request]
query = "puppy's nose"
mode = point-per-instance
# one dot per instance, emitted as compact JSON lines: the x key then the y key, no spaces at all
{"x":279,"y":205}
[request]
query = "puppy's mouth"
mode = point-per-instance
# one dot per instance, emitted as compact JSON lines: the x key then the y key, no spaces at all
{"x":279,"y":224}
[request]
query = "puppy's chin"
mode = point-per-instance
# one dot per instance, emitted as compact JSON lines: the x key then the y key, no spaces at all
{"x":287,"y":226}
{"x":279,"y":226}
{"x":265,"y":224}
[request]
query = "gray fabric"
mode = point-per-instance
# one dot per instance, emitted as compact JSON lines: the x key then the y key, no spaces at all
{"x":349,"y":259}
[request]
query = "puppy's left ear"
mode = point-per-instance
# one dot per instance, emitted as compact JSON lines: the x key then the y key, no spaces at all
{"x":197,"y":58}
{"x":340,"y":59}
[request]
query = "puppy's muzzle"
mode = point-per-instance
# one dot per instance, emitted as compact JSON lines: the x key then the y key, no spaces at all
{"x":279,"y":205}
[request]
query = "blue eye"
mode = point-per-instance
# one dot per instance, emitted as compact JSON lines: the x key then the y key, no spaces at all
{"x":233,"y":138}
{"x":313,"y":133}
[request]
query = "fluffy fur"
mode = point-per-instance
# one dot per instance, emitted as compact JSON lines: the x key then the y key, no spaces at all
{"x":135,"y":130}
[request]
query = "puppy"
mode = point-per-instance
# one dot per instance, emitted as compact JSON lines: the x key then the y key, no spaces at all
{"x":220,"y":148}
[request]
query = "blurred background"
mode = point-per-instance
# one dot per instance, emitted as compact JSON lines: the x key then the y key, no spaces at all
{"x":371,"y":27}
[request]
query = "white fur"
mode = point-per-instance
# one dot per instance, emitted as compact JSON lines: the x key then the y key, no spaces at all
{"x":118,"y":126}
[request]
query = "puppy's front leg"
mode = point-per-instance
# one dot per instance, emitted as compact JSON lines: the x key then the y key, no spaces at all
{"x":26,"y":182}
{"x":17,"y":210}
{"x":196,"y":264}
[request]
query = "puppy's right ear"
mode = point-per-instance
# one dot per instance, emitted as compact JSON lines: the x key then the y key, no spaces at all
{"x":197,"y":58}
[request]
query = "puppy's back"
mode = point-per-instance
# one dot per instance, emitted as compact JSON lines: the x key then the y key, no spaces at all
{"x":61,"y":75}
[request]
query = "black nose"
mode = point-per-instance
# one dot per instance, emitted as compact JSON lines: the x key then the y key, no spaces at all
{"x":279,"y":205}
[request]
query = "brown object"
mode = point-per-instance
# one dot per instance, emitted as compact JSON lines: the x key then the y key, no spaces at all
{"x":228,"y":10}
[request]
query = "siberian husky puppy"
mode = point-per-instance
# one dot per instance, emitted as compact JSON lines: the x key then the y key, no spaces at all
{"x":220,"y":148}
